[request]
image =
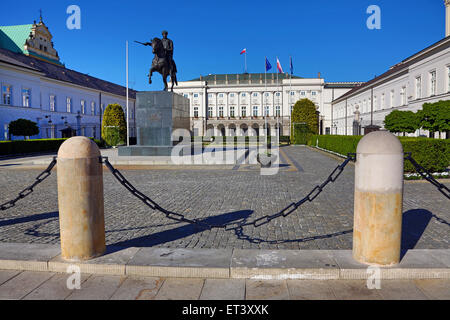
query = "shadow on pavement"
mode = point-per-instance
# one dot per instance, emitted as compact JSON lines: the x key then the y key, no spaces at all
{"x":183,"y":231}
{"x":413,"y":226}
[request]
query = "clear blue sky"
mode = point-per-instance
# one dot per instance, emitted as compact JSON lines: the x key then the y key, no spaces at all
{"x":327,"y":36}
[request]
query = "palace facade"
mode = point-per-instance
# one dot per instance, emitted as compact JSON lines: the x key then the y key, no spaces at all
{"x":245,"y":104}
{"x":36,"y":86}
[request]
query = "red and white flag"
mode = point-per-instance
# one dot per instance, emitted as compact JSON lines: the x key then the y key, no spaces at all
{"x":244,"y":51}
{"x":280,"y":69}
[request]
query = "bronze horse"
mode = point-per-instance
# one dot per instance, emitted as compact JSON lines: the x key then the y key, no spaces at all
{"x":161,"y":65}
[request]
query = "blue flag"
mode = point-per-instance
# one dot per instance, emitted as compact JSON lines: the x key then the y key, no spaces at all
{"x":292,"y":66}
{"x":268,"y":66}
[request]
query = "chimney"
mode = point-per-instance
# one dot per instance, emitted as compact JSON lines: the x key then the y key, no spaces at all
{"x":447,"y":17}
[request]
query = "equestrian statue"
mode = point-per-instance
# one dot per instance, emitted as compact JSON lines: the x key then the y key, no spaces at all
{"x":163,"y":62}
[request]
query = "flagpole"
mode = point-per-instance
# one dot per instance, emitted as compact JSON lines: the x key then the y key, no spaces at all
{"x":245,"y":58}
{"x":265,"y":99}
{"x":128,"y":114}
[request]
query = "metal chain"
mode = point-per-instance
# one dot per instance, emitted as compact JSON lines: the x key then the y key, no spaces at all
{"x":427,"y":175}
{"x":235,"y":225}
{"x":25,"y":192}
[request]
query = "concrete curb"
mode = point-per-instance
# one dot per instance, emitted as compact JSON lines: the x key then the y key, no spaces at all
{"x":227,"y":263}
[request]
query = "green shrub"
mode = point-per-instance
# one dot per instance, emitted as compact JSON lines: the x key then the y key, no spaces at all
{"x":32,"y":146}
{"x":304,"y":111}
{"x":114,"y":125}
{"x":23,"y":127}
{"x":432,"y":154}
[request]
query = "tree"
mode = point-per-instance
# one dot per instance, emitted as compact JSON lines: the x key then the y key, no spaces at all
{"x":23,"y":127}
{"x":435,"y":117}
{"x":401,"y":121}
{"x":304,"y":111}
{"x":114,"y":126}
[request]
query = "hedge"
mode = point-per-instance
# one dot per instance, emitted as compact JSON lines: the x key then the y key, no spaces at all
{"x":33,"y":145}
{"x":432,"y":154}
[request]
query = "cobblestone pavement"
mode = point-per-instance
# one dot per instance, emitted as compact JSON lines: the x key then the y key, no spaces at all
{"x":223,"y":195}
{"x":29,"y":285}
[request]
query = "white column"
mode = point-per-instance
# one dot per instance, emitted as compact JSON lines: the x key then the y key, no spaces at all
{"x":447,"y":18}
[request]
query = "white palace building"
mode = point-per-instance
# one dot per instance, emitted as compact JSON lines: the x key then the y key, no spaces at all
{"x":36,"y":86}
{"x":241,"y":104}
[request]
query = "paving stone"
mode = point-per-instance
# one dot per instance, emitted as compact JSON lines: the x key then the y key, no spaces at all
{"x":223,"y":289}
{"x":54,"y":288}
{"x":27,"y":256}
{"x":21,"y":285}
{"x":266,"y":290}
{"x":310,"y":290}
{"x":353,"y":290}
{"x":6,"y":275}
{"x":180,"y":289}
{"x":97,"y":288}
{"x":283,"y":264}
{"x":434,"y":288}
{"x":138,"y":289}
{"x":225,"y":195}
{"x":400,"y":290}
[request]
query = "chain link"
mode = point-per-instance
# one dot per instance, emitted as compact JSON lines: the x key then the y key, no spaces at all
{"x":27,"y":191}
{"x":427,"y":175}
{"x":233,"y":225}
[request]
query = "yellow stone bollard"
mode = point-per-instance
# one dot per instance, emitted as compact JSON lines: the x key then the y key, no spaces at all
{"x":378,"y":199}
{"x":80,"y":200}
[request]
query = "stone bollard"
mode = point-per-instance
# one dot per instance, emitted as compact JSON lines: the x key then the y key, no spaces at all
{"x":80,"y":200}
{"x":378,"y":199}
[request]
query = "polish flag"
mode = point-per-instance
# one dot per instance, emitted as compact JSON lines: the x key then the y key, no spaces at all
{"x":244,"y":51}
{"x":280,"y":69}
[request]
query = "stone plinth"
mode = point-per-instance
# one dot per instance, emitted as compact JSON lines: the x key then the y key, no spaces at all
{"x":158,"y":114}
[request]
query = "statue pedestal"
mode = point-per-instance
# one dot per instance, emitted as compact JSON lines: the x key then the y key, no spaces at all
{"x":158,"y":114}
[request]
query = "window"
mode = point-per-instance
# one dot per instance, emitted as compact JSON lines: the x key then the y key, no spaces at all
{"x":83,"y":107}
{"x":432,"y":83}
{"x":69,"y":104}
{"x":232,"y":95}
{"x":418,"y":87}
{"x":277,"y":111}
{"x":52,"y":102}
{"x":209,"y":95}
{"x":255,"y":94}
{"x":6,"y":94}
{"x":448,"y":78}
{"x":266,"y":111}
{"x":375,"y":100}
{"x":243,"y":111}
{"x":195,"y":95}
{"x":243,"y":94}
{"x":267,"y":94}
{"x":255,"y":111}
{"x":221,"y":112}
{"x":220,"y":95}
{"x":26,"y":97}
{"x":382,"y":101}
{"x":292,"y":108}
{"x":403,"y":96}
{"x":303,"y":93}
{"x":392,"y":98}
{"x":93,"y":107}
{"x":277,"y":94}
{"x":210,"y":112}
{"x":292,"y":93}
{"x":195,"y":112}
{"x":232,"y":111}
{"x":186,"y":95}
{"x":102,"y":108}
{"x":313,"y":93}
